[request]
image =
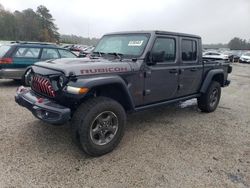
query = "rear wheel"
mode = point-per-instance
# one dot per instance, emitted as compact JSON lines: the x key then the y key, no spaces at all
{"x":209,"y":101}
{"x":98,"y":124}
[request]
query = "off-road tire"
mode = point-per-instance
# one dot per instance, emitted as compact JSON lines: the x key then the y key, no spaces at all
{"x":205,"y":102}
{"x":83,"y":119}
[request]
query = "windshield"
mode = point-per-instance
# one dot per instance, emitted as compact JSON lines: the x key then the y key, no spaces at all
{"x":3,"y":50}
{"x":130,"y":45}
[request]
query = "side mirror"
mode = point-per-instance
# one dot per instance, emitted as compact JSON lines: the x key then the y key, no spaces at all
{"x":155,"y":57}
{"x":158,"y":56}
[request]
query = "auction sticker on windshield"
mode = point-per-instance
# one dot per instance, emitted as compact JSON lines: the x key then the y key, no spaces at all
{"x":135,"y":43}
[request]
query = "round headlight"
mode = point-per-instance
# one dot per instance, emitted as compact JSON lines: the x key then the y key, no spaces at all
{"x":31,"y":77}
{"x":61,"y":81}
{"x":28,"y":77}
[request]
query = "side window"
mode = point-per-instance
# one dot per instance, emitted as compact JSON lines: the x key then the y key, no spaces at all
{"x":165,"y":47}
{"x":49,"y":53}
{"x":189,"y":50}
{"x":66,"y":54}
{"x":27,"y":52}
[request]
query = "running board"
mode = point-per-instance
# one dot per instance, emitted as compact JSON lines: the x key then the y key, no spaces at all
{"x":166,"y":102}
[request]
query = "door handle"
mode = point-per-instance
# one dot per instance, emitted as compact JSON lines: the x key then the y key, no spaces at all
{"x":173,"y":71}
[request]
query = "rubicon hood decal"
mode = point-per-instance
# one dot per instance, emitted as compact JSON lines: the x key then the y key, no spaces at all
{"x":86,"y":66}
{"x":104,"y":70}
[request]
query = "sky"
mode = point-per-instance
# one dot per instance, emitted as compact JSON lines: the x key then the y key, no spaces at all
{"x":216,"y":21}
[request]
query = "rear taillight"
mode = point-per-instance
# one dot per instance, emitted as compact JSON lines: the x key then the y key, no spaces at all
{"x":6,"y":61}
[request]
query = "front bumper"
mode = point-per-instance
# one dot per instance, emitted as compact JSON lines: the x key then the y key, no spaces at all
{"x":42,"y":108}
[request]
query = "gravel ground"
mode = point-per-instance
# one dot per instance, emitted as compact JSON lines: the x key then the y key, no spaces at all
{"x":174,"y":146}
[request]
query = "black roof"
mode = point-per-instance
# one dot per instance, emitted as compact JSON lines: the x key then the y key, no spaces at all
{"x":156,"y":32}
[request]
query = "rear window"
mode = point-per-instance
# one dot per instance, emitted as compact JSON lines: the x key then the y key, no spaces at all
{"x":49,"y":53}
{"x":3,"y":50}
{"x":27,"y":52}
{"x":189,"y":50}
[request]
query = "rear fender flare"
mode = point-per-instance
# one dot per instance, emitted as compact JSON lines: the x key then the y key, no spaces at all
{"x":209,"y":78}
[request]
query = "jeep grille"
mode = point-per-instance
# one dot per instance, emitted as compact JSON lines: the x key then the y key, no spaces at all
{"x":43,"y":86}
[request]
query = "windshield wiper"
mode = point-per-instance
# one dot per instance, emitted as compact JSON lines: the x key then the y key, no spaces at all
{"x":99,"y":53}
{"x":119,"y":55}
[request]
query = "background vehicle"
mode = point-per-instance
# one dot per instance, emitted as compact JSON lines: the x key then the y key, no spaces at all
{"x":86,"y":51}
{"x":234,"y":55}
{"x":80,"y":50}
{"x":16,"y":57}
{"x":127,"y":72}
{"x":245,"y":58}
{"x":215,"y":56}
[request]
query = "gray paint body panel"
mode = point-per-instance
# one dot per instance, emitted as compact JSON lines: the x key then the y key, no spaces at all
{"x":85,"y":66}
{"x":143,"y":84}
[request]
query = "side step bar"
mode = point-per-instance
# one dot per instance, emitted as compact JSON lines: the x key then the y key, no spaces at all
{"x":166,"y":102}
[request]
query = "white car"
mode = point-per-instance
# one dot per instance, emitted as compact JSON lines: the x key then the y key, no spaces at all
{"x":214,"y":55}
{"x":245,"y":58}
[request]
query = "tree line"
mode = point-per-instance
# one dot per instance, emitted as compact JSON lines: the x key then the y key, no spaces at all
{"x":39,"y":25}
{"x":239,"y":44}
{"x":234,"y":44}
{"x":73,"y":39}
{"x":28,"y":25}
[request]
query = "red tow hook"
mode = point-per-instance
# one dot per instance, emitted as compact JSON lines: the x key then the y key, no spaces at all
{"x":40,"y":100}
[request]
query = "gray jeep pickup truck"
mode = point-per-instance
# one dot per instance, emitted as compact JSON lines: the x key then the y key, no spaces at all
{"x":127,"y":72}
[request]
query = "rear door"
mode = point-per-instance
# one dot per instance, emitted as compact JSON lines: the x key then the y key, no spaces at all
{"x":161,"y":79}
{"x":50,"y":53}
{"x":191,"y":67}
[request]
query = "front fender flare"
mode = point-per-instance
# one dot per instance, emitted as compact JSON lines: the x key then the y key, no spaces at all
{"x":95,"y":81}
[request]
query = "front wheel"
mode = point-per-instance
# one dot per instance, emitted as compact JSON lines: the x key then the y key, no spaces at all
{"x":209,"y":101}
{"x":99,"y":125}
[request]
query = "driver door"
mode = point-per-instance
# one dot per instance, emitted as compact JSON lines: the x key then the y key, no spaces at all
{"x":161,"y":78}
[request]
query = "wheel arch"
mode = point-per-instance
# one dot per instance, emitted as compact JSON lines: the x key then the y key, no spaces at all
{"x":113,"y":87}
{"x":212,"y":75}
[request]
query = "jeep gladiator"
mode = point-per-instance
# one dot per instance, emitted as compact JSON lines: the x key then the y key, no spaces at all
{"x":127,"y":72}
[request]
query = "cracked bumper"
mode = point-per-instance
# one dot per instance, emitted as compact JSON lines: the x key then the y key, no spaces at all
{"x":42,"y":108}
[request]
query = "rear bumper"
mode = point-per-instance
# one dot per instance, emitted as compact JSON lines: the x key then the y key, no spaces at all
{"x":12,"y":73}
{"x":42,"y":108}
